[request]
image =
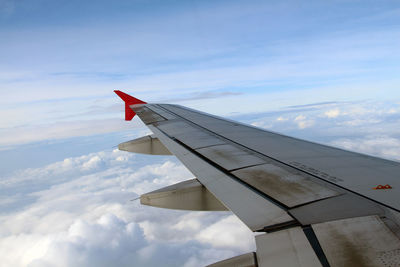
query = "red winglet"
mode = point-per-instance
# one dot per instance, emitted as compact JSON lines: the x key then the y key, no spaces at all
{"x":129,"y":100}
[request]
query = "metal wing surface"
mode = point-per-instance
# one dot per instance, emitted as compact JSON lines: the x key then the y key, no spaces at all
{"x":313,"y":205}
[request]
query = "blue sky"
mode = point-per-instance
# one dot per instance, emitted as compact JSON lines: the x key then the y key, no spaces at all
{"x":326,"y":71}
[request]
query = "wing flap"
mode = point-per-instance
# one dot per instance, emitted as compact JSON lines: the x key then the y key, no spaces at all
{"x":285,"y":248}
{"x":145,"y":145}
{"x":335,"y":208}
{"x":361,"y":241}
{"x":186,"y":195}
{"x":245,"y":260}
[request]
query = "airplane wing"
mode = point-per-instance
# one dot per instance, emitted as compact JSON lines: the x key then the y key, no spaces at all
{"x":311,"y":204}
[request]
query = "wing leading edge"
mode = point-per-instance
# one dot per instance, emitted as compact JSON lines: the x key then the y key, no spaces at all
{"x":314,"y":204}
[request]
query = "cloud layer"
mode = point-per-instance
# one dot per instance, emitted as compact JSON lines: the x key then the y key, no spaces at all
{"x":77,"y":212}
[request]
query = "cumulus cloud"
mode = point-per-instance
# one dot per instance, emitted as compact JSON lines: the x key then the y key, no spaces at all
{"x":280,"y":118}
{"x":302,"y":122}
{"x":333,"y":113}
{"x":79,"y":213}
{"x":103,"y":242}
{"x":262,"y":124}
{"x":226,"y":232}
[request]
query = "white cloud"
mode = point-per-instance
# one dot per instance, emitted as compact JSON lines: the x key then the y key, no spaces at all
{"x":333,"y":113}
{"x":302,"y":122}
{"x":381,"y":146}
{"x":262,"y":124}
{"x":80,"y":215}
{"x":305,"y":124}
{"x":226,"y":232}
{"x":281,"y":118}
{"x":300,"y":118}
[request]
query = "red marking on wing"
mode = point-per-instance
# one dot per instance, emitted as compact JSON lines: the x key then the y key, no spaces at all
{"x":382,"y":187}
{"x":129,"y":100}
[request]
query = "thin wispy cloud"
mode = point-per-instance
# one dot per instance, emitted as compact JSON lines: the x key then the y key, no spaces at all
{"x":61,"y":130}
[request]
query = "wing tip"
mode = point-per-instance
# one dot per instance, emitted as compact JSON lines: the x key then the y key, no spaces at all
{"x":128,"y":99}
